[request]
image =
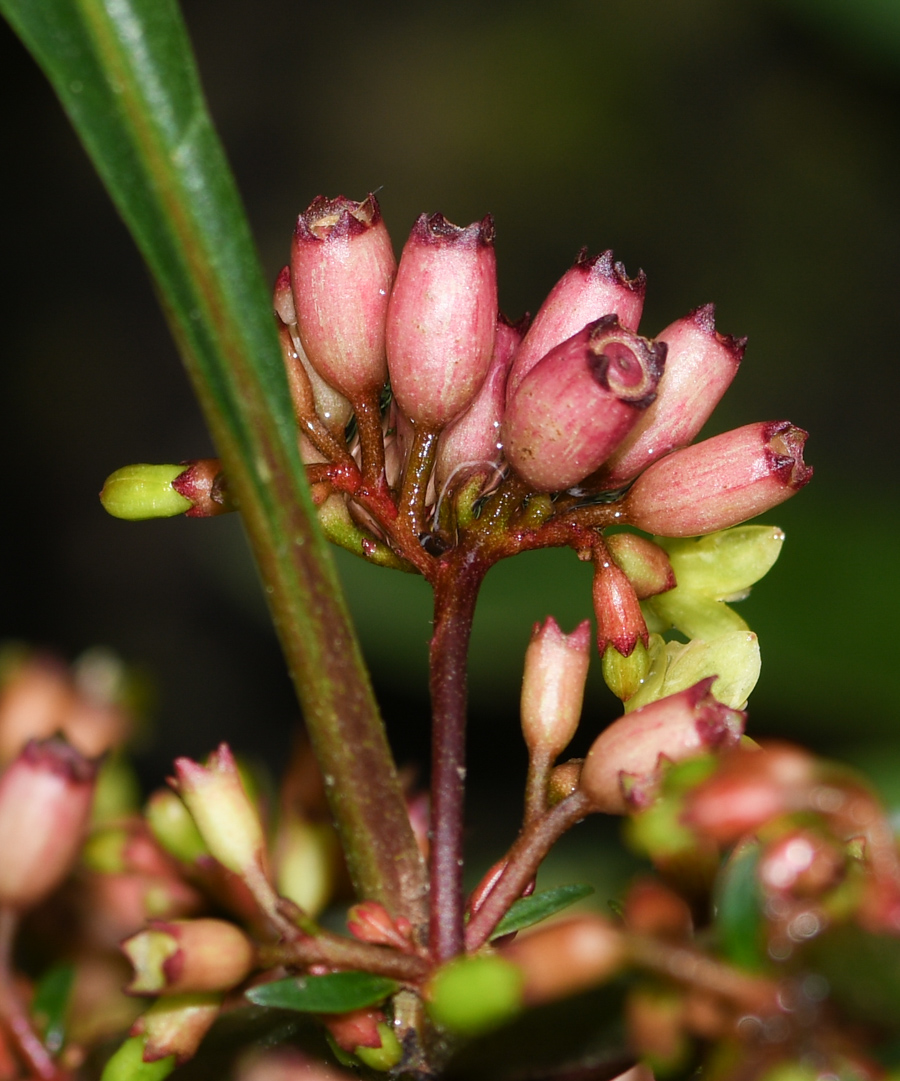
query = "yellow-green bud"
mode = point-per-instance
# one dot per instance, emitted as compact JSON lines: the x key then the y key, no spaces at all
{"x":724,"y":565}
{"x":625,"y":675}
{"x":137,"y":492}
{"x":307,"y":861}
{"x":386,"y":1056}
{"x":473,"y":994}
{"x":127,"y":1064}
{"x":171,"y":824}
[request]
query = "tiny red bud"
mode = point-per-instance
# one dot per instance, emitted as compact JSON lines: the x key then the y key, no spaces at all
{"x":342,"y":267}
{"x":720,"y":482}
{"x":556,"y":667}
{"x":646,"y":564}
{"x":442,"y":318}
{"x":590,"y":289}
{"x":626,"y":755}
{"x":370,"y":922}
{"x":620,"y":623}
{"x":700,"y":365}
{"x":578,"y":403}
{"x":45,"y":805}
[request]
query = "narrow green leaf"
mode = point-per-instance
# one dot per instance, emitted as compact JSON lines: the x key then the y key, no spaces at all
{"x":540,"y":906}
{"x":125,"y":74}
{"x":336,"y":992}
{"x":739,"y":910}
{"x":50,"y":1005}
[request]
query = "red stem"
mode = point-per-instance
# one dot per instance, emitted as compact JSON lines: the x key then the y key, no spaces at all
{"x":455,"y":593}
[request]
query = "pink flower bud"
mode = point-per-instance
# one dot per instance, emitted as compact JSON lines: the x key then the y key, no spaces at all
{"x":567,"y":957}
{"x":620,"y":622}
{"x":700,"y":365}
{"x":45,"y":805}
{"x":720,"y":482}
{"x":188,"y":955}
{"x":342,"y":267}
{"x":626,"y":756}
{"x":225,"y":816}
{"x":556,"y":667}
{"x":474,"y":438}
{"x":370,"y":922}
{"x":592,"y":288}
{"x":442,"y":318}
{"x":646,"y":564}
{"x":574,"y":407}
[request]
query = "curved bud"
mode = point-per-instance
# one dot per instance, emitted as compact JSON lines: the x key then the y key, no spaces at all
{"x":182,"y":956}
{"x":590,"y":289}
{"x":342,"y":267}
{"x":474,"y":438}
{"x":45,"y":806}
{"x":225,"y":815}
{"x":720,"y":482}
{"x":139,"y":492}
{"x":626,"y":756}
{"x":556,"y":667}
{"x":172,"y":825}
{"x":578,"y":403}
{"x":700,"y":365}
{"x":646,"y":564}
{"x":441,"y":318}
{"x":567,"y":957}
{"x":620,"y":623}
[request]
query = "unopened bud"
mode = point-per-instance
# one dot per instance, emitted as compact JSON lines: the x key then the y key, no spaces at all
{"x":564,"y":780}
{"x":474,"y":994}
{"x":441,"y":318}
{"x":720,"y":482}
{"x":175,"y":1025}
{"x":473,"y":439}
{"x":386,"y":1055}
{"x":593,"y":287}
{"x":127,"y":1063}
{"x":556,"y":667}
{"x":625,"y":675}
{"x":371,"y":922}
{"x":45,"y":807}
{"x":645,"y":563}
{"x":179,"y":956}
{"x":620,"y":623}
{"x":578,"y":403}
{"x":342,"y":267}
{"x":625,"y":758}
{"x":223,"y":812}
{"x":307,"y":861}
{"x":700,"y":365}
{"x":139,"y":492}
{"x":724,"y":565}
{"x":173,"y":827}
{"x":567,"y":957}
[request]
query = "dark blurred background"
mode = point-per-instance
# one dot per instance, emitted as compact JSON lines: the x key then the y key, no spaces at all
{"x":745,"y":152}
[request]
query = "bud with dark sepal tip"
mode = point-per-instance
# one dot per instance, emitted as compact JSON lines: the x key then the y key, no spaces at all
{"x":620,"y":623}
{"x":138,"y":492}
{"x":366,"y":1034}
{"x":473,"y":439}
{"x":593,"y":287}
{"x":567,"y":957}
{"x":626,"y":756}
{"x":578,"y":403}
{"x":180,"y":956}
{"x":175,"y":1026}
{"x":556,"y":666}
{"x":720,"y":482}
{"x":342,"y":268}
{"x":442,"y":319}
{"x":45,"y":806}
{"x":205,"y":485}
{"x":625,"y":675}
{"x":645,"y":563}
{"x":700,"y":365}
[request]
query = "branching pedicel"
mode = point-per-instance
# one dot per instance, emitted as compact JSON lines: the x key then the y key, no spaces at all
{"x":499,"y":438}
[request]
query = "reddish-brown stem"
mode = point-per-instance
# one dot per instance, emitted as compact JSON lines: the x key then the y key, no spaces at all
{"x":345,"y":953}
{"x":371,"y":439}
{"x":539,"y":767}
{"x":334,"y":449}
{"x":455,"y":593}
{"x":33,"y":1052}
{"x":415,"y":483}
{"x":525,"y":856}
{"x":344,"y":478}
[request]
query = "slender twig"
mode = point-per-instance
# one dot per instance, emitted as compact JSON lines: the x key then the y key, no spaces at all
{"x":13,"y":1012}
{"x":371,"y":438}
{"x":525,"y":856}
{"x":344,"y":953}
{"x":539,"y":766}
{"x":415,"y":481}
{"x":455,"y":594}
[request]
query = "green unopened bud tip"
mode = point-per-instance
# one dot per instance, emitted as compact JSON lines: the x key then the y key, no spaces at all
{"x":475,"y":994}
{"x":138,"y":492}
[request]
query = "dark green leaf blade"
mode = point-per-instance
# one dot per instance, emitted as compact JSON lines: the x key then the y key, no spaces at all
{"x":50,"y":1004}
{"x":335,"y":992}
{"x":739,"y":910}
{"x":540,"y":906}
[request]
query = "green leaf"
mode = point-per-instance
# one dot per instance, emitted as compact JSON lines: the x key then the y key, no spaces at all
{"x":50,"y":1005}
{"x":739,"y":910}
{"x":125,"y":74}
{"x":336,"y":992}
{"x":539,"y":906}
